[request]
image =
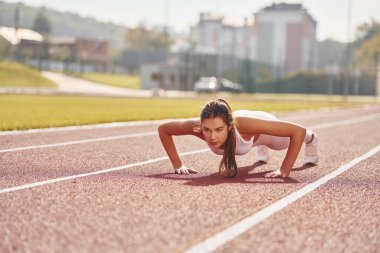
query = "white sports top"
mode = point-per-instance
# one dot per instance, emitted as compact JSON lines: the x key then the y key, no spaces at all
{"x":243,"y":146}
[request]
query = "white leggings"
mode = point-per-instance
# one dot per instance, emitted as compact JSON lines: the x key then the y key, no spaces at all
{"x":278,"y":143}
{"x":272,"y":142}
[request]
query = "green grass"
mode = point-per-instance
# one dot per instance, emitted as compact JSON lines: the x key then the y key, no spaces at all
{"x":26,"y":112}
{"x":20,"y":75}
{"x":118,"y":80}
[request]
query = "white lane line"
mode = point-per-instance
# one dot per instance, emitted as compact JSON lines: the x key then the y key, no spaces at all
{"x":346,"y":122}
{"x":51,"y":181}
{"x":79,"y":142}
{"x":242,"y":226}
{"x":86,"y":127}
{"x":310,"y":114}
{"x":320,"y":126}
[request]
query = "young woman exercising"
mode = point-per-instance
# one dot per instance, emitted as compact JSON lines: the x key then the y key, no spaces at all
{"x":230,"y":133}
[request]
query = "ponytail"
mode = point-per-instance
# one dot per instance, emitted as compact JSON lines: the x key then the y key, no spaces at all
{"x":228,"y":166}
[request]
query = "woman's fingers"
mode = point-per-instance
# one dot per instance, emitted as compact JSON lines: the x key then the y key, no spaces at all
{"x":180,"y":171}
{"x":193,"y":171}
{"x":185,"y":171}
{"x":273,"y":174}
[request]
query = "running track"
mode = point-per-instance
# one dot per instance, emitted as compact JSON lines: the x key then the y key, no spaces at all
{"x":110,"y":188}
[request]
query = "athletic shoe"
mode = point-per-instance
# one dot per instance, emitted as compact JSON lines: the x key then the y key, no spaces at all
{"x":262,"y":154}
{"x":311,"y":151}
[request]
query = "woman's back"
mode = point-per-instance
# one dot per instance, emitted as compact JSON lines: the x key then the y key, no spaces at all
{"x":254,"y":114}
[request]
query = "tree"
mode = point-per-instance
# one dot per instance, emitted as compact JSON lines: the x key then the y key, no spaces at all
{"x":366,"y":31}
{"x":330,"y":52}
{"x":42,"y":24}
{"x":368,"y":54}
{"x":143,"y":38}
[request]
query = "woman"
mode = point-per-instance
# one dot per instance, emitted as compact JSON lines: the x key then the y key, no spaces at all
{"x":230,"y":133}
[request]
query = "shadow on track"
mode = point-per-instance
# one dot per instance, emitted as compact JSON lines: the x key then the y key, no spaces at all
{"x":304,"y":167}
{"x":244,"y":176}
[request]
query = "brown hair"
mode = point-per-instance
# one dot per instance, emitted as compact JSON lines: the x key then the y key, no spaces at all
{"x":220,"y":108}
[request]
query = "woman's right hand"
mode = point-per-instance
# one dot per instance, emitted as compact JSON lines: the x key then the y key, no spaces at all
{"x":184,"y":170}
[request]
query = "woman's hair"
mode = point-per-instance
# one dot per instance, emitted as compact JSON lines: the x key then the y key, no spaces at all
{"x":220,"y":108}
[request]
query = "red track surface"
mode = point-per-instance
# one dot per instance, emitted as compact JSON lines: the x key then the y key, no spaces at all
{"x":149,"y":209}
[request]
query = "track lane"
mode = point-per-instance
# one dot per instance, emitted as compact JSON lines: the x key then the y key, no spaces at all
{"x":340,"y":216}
{"x":229,"y":234}
{"x":48,"y":138}
{"x":65,"y":161}
{"x":23,"y":167}
{"x":101,"y":218}
{"x":167,"y":212}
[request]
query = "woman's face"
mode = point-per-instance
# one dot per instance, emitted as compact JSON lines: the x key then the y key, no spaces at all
{"x":215,"y":131}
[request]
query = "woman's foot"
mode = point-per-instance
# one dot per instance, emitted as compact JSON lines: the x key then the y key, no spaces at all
{"x":311,"y":151}
{"x":262,"y":154}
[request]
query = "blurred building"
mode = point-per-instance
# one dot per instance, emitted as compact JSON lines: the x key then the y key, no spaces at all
{"x":280,"y":39}
{"x":21,"y":42}
{"x":285,"y":37}
{"x":214,"y":49}
{"x":212,"y":36}
{"x":87,"y":51}
{"x":282,"y":35}
{"x":208,"y":33}
{"x":179,"y":72}
{"x":55,"y":52}
{"x":132,"y":59}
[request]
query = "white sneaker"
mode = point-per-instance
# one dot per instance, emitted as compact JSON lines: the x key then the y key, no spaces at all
{"x":262,"y":154}
{"x":311,"y":151}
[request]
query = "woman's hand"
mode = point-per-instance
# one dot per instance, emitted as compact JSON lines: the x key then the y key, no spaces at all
{"x":184,"y":170}
{"x":278,"y":173}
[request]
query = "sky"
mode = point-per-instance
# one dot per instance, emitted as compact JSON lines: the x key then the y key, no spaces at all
{"x":331,"y":15}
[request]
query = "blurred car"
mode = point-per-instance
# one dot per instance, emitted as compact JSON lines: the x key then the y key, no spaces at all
{"x":206,"y":84}
{"x":227,"y":85}
{"x":213,"y":84}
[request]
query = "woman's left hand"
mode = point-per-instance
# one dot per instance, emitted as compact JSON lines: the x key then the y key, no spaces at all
{"x":277,"y":173}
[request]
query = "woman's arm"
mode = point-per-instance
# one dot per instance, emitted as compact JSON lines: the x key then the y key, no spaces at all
{"x":167,"y":130}
{"x":277,"y":128}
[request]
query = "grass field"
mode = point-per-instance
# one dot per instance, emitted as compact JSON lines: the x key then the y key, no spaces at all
{"x":26,"y":112}
{"x":118,"y":80}
{"x":20,"y":75}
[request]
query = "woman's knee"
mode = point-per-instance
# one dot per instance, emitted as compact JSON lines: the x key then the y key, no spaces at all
{"x":279,"y":143}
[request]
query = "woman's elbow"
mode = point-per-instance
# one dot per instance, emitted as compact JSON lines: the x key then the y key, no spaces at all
{"x":301,"y":132}
{"x":298,"y":132}
{"x":165,"y":129}
{"x":161,"y":128}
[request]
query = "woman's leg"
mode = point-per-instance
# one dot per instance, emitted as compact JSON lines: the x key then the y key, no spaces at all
{"x":277,"y":143}
{"x":311,"y":155}
{"x":309,"y":136}
{"x":262,"y":154}
{"x":273,"y":142}
{"x":264,"y":142}
{"x":280,"y":143}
